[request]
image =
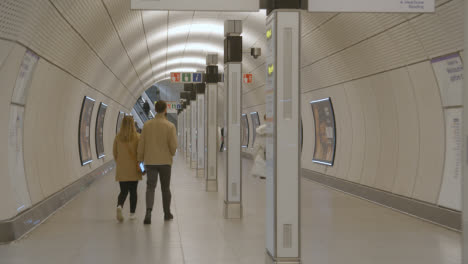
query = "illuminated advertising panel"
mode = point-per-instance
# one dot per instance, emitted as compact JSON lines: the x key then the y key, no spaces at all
{"x":245,"y":131}
{"x":84,"y":135}
{"x":325,"y":131}
{"x":100,"y":130}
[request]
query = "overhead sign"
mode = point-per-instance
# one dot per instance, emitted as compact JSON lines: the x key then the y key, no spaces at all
{"x":200,"y":5}
{"x":172,"y":107}
{"x":248,"y":78}
{"x":186,"y":77}
{"x":175,"y":77}
{"x":398,"y":6}
{"x":197,"y":77}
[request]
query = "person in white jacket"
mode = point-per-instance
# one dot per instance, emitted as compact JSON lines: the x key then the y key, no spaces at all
{"x":259,"y":167}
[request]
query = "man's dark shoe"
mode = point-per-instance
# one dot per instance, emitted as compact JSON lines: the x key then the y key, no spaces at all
{"x":147,"y":220}
{"x":168,"y":217}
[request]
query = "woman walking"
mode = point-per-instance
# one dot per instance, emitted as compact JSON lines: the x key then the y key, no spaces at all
{"x":128,"y":171}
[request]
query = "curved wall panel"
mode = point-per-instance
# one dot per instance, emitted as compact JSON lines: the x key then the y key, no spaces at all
{"x":10,"y":57}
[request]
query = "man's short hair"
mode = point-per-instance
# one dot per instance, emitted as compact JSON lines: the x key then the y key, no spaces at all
{"x":160,"y":106}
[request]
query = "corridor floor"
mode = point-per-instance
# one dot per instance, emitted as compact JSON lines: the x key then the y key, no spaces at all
{"x":336,"y":228}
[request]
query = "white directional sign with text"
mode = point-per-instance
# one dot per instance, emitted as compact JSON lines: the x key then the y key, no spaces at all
{"x":200,"y":5}
{"x":403,"y":6}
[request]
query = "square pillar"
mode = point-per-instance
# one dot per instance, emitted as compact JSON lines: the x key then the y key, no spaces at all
{"x":193,"y":137}
{"x":201,"y":129}
{"x":283,"y":137}
{"x":233,"y":108}
{"x":211,"y":167}
{"x":188,"y":134}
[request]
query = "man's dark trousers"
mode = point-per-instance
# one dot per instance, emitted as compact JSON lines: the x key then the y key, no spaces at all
{"x":164,"y":172}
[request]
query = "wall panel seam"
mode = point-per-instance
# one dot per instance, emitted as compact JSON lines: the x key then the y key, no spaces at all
{"x":89,"y":46}
{"x":367,"y":38}
{"x":254,"y":89}
{"x":147,"y":46}
{"x":367,"y":76}
{"x":319,"y":26}
{"x":122,"y":43}
{"x":64,"y":70}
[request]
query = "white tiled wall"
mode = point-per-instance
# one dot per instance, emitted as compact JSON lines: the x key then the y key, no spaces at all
{"x":389,"y":117}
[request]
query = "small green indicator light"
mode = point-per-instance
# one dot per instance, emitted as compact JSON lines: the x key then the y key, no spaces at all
{"x":271,"y":69}
{"x":269,"y":33}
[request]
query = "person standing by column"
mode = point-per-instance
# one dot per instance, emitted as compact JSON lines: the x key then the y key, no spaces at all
{"x":157,"y":146}
{"x":127,"y":173}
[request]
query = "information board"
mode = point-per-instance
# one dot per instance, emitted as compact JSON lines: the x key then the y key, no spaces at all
{"x":84,"y":136}
{"x":100,"y":130}
{"x":449,"y":73}
{"x":450,"y":194}
{"x":200,"y":5}
{"x":397,"y":6}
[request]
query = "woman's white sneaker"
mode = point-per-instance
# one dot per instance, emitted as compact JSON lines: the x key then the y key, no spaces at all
{"x":119,"y":214}
{"x":132,"y":216}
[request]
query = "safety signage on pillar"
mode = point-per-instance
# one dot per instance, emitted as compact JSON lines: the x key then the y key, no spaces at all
{"x":186,"y":77}
{"x":248,"y":78}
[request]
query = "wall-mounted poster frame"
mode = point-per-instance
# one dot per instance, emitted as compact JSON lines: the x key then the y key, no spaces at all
{"x":255,"y":124}
{"x":100,"y":130}
{"x":84,"y":131}
{"x":325,"y":131}
{"x":245,"y":131}
{"x":119,"y":121}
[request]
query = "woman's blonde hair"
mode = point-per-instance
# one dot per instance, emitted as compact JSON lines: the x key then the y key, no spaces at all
{"x":127,"y":130}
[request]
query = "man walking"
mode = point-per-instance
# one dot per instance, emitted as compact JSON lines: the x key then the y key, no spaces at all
{"x":157,"y":146}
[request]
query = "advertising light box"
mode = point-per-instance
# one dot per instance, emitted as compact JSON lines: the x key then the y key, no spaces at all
{"x":397,"y":6}
{"x":325,"y":131}
{"x":200,"y":5}
{"x":100,"y":131}
{"x":84,"y":137}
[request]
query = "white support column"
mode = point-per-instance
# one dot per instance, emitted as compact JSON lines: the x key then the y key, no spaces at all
{"x":182,"y":132}
{"x":193,"y":138}
{"x":201,"y":128}
{"x":232,"y":132}
{"x":283,"y":141}
{"x":465,"y":151}
{"x":188,"y":135}
{"x":211,"y":168}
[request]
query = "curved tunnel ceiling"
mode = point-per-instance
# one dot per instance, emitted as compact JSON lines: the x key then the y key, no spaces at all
{"x":175,"y":40}
{"x":117,"y":51}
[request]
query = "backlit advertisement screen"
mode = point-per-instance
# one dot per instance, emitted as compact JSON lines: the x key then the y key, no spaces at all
{"x":100,"y":130}
{"x":84,"y":131}
{"x":255,"y":123}
{"x":119,"y":122}
{"x":245,"y":131}
{"x":325,"y":132}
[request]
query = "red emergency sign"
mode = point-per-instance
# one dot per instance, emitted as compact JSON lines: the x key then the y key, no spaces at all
{"x":175,"y":77}
{"x":248,"y":78}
